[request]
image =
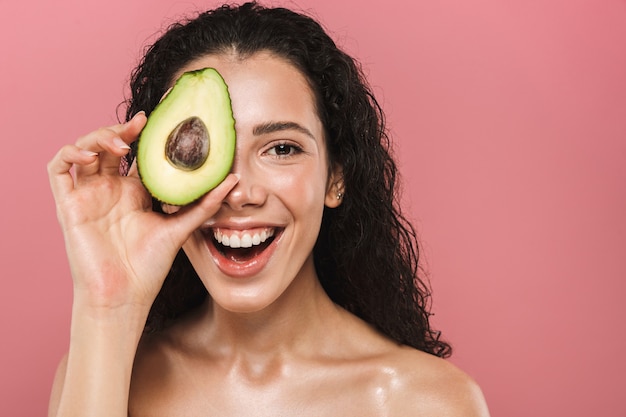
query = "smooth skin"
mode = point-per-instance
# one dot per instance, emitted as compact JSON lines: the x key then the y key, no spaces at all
{"x":269,"y":342}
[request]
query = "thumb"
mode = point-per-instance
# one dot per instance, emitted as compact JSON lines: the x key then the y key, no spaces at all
{"x":188,"y":218}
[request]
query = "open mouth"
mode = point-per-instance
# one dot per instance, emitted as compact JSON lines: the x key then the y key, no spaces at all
{"x":242,"y":246}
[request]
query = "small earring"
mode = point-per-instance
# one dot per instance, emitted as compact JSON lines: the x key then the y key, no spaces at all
{"x":339,"y":195}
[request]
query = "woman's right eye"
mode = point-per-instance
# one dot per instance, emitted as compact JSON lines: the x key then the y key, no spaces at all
{"x":282,"y":150}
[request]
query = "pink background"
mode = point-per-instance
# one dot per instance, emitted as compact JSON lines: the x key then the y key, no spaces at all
{"x":510,"y":121}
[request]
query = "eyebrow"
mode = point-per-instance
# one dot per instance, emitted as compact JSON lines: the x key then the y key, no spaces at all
{"x":271,"y":127}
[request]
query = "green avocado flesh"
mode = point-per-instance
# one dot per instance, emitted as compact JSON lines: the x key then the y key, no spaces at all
{"x":188,"y":144}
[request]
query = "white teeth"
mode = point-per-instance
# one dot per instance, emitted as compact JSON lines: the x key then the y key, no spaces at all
{"x":235,"y":242}
{"x":246,"y":240}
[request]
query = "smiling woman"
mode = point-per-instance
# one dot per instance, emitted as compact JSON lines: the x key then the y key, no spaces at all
{"x":289,"y":289}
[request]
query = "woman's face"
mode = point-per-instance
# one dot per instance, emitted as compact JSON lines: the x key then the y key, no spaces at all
{"x":262,"y":238}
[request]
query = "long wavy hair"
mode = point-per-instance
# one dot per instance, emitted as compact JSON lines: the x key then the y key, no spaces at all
{"x":366,"y":255}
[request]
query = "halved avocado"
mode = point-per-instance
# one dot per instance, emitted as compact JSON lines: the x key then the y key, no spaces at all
{"x":188,"y":144}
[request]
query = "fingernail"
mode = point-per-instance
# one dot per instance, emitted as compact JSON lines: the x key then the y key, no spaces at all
{"x":88,"y":153}
{"x":120,"y":143}
{"x":135,"y":116}
{"x":169,"y":209}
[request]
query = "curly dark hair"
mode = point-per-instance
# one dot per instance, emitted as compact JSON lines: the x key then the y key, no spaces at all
{"x":366,"y":255}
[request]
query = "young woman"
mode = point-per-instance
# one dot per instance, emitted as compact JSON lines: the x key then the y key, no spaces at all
{"x":323,"y":315}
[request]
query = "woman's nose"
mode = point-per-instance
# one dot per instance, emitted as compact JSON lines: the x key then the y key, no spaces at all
{"x":250,"y":190}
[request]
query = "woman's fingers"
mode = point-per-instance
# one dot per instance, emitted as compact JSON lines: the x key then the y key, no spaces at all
{"x":103,"y":139}
{"x":119,"y":145}
{"x":110,"y":143}
{"x":98,"y":152}
{"x":61,"y":180}
{"x":110,"y":148}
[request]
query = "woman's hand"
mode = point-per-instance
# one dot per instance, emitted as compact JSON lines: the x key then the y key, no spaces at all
{"x":118,"y":248}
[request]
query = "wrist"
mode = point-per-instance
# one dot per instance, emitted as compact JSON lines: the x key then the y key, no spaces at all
{"x":122,"y":317}
{"x":101,"y":303}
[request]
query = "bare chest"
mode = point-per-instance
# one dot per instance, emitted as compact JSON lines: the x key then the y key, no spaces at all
{"x":297,"y":394}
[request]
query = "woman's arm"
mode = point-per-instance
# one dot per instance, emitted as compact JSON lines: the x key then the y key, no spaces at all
{"x":119,"y":252}
{"x":94,"y":377}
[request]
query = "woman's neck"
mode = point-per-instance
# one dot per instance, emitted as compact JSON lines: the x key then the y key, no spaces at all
{"x":296,"y":323}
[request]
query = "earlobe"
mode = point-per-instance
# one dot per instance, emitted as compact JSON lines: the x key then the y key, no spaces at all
{"x":335,"y":190}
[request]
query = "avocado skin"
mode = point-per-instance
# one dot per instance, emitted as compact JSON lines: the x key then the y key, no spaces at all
{"x":201,"y":94}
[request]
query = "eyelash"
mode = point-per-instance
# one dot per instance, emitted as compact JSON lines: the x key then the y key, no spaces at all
{"x":290,"y":147}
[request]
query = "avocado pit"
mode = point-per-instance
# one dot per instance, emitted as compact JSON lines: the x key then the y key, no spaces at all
{"x":187,"y":147}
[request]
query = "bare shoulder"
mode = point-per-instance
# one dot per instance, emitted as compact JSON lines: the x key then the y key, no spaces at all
{"x":431,"y":386}
{"x":405,"y":381}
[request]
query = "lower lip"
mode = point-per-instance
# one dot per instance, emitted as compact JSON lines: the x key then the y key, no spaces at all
{"x":245,"y":269}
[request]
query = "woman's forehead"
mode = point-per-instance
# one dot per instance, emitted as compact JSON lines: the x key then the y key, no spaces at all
{"x":264,"y":88}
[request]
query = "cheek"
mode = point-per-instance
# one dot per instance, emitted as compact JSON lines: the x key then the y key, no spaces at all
{"x":302,"y":190}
